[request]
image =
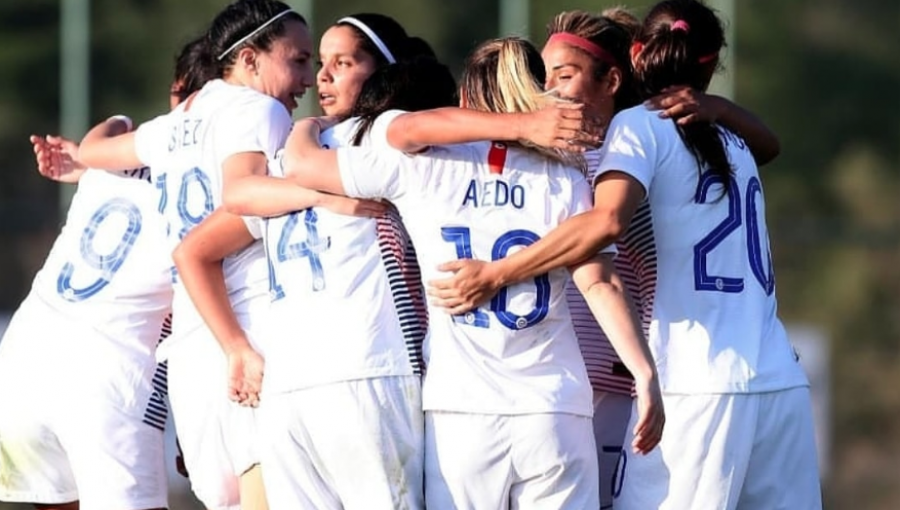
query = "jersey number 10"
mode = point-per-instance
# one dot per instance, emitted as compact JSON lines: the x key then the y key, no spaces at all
{"x":461,"y":237}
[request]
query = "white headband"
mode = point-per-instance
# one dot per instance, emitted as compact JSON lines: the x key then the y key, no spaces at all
{"x":247,"y":37}
{"x":372,"y":37}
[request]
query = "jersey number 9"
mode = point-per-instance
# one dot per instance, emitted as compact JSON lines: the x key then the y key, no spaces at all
{"x":107,"y":264}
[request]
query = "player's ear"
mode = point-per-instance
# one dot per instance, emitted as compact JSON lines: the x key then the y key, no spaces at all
{"x":463,"y":101}
{"x":246,"y":58}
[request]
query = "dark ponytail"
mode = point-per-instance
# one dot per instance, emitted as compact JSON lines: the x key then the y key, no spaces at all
{"x":420,"y":84}
{"x":679,"y":44}
{"x":192,"y":68}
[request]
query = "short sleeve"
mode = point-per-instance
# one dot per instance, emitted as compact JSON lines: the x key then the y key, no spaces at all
{"x":151,"y":138}
{"x":254,"y":225}
{"x":260,"y":125}
{"x":378,"y":133}
{"x":582,"y":201}
{"x":630,"y":146}
{"x":374,"y":173}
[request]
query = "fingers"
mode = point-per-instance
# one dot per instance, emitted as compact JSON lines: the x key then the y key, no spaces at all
{"x":569,"y":107}
{"x":451,"y":266}
{"x":687,"y":119}
{"x":678,"y":110}
{"x":649,"y":429}
{"x":442,"y":289}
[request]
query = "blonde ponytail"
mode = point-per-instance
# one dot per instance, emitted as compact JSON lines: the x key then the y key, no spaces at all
{"x":507,"y":76}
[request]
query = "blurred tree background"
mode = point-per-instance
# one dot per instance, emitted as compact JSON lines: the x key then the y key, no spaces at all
{"x":824,"y":74}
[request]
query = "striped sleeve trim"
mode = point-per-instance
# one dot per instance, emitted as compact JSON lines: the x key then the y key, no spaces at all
{"x":157,"y":411}
{"x":405,"y":281}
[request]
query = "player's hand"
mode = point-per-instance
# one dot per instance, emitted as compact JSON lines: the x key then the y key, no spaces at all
{"x":245,"y":375}
{"x":651,"y":416}
{"x":324,"y":122}
{"x":56,"y":158}
{"x":560,"y":126}
{"x":472,"y":283}
{"x":686,"y":105}
{"x":354,"y":206}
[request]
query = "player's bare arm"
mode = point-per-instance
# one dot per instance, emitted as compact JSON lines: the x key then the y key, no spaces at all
{"x":307,"y":162}
{"x":686,"y":104}
{"x":605,"y":294}
{"x":558,"y":125}
{"x":616,"y":197}
{"x":199,"y":261}
{"x":110,"y":146}
{"x":266,"y":196}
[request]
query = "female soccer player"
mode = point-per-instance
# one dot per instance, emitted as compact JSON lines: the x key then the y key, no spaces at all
{"x":260,"y":50}
{"x":356,"y":379}
{"x":506,"y":395}
{"x":91,"y":433}
{"x":587,"y":59}
{"x":740,"y":428}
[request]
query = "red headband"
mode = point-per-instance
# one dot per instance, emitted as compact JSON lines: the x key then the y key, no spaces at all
{"x":580,"y":42}
{"x":705,"y":59}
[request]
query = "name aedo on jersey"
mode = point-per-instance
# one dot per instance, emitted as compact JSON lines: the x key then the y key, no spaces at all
{"x":494,"y":194}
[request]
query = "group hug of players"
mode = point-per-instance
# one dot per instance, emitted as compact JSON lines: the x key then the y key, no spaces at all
{"x":547,"y":285}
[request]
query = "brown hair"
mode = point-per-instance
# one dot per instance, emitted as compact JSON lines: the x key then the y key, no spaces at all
{"x":681,"y":40}
{"x":613,"y":31}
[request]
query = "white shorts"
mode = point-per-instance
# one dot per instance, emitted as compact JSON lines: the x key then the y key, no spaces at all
{"x":729,"y":452}
{"x":530,"y":461}
{"x":71,"y":418}
{"x":347,"y":445}
{"x":611,"y":414}
{"x":218,"y":437}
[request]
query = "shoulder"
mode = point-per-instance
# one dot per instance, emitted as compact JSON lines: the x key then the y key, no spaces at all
{"x":638,"y":130}
{"x":250,"y":104}
{"x":339,"y":135}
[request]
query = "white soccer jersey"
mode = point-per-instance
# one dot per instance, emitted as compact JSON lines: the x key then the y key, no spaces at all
{"x":701,"y":251}
{"x":108,"y":269}
{"x":347,"y":298}
{"x":186,"y":149}
{"x":604,"y":367}
{"x":519,"y":354}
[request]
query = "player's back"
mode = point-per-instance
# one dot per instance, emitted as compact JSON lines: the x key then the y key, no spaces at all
{"x":108,"y":268}
{"x":714,"y":321}
{"x":187,"y":148}
{"x":333,"y":315}
{"x":518,"y":354}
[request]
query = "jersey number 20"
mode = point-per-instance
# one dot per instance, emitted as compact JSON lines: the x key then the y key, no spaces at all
{"x":760,"y":266}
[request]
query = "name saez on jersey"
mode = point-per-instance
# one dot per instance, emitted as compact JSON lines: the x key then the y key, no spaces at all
{"x":185,"y":133}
